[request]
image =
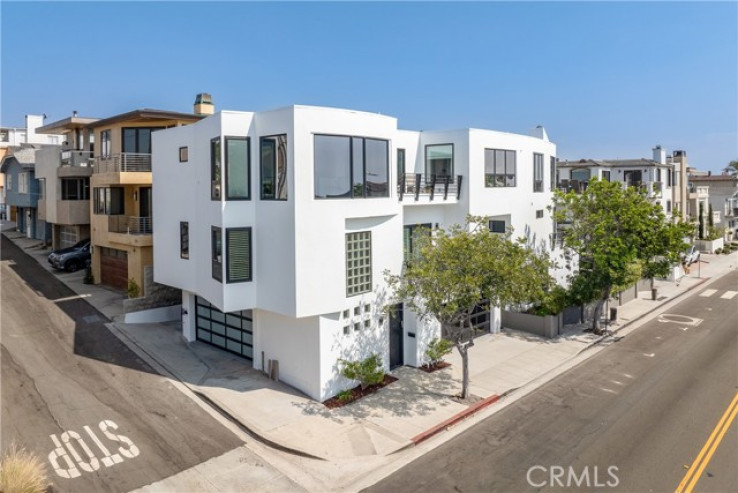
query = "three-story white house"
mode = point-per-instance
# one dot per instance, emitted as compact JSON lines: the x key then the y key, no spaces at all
{"x":278,"y":227}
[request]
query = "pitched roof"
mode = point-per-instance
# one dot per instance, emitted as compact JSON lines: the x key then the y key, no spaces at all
{"x":714,"y":178}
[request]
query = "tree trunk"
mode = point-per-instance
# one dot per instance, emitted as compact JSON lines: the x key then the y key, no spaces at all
{"x":596,"y":327}
{"x":464,"y":352}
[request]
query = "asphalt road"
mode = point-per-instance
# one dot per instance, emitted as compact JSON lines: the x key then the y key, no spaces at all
{"x":645,"y":405}
{"x":69,"y":386}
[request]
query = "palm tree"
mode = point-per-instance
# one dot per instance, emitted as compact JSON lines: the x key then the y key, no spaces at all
{"x":732,"y":168}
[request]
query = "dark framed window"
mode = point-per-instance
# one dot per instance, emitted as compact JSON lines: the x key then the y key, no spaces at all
{"x":215,"y":169}
{"x":668,"y":206}
{"x":581,"y":175}
{"x":238,"y":255}
{"x":539,"y":213}
{"x":658,"y":174}
{"x":500,"y":168}
{"x":184,"y":154}
{"x":537,"y":172}
{"x":184,"y":240}
{"x":350,"y":167}
{"x":42,"y":188}
{"x":75,"y":188}
{"x":410,"y":235}
{"x":439,"y":162}
{"x":105,"y":145}
{"x":632,"y":178}
{"x":497,"y":226}
{"x":400,"y":163}
{"x":237,"y":168}
{"x":138,"y":139}
{"x":606,"y":176}
{"x":273,"y":167}
{"x":108,"y":200}
{"x":216,"y":242}
{"x":552,"y":178}
{"x":668,"y":178}
{"x":358,"y":263}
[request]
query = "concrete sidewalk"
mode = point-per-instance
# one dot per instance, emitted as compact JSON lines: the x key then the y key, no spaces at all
{"x":382,"y":423}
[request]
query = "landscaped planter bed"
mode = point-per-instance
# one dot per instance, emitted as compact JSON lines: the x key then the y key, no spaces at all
{"x":357,"y":393}
{"x":430,"y":368}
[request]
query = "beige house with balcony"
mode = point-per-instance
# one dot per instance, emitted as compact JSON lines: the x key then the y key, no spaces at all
{"x":120,"y":188}
{"x":64,"y":174}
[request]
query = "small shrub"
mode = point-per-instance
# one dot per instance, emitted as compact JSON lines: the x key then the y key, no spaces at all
{"x":553,"y":303}
{"x":344,"y":395}
{"x":368,"y":371}
{"x":727,"y":250}
{"x":22,"y":472}
{"x":89,"y":278}
{"x":133,"y":289}
{"x":437,"y":349}
{"x":718,"y":251}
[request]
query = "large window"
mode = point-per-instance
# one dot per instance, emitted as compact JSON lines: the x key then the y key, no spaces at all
{"x":9,"y":181}
{"x":497,"y":226}
{"x":400,"y":163}
{"x":351,"y":167}
{"x":138,"y":139}
{"x":411,"y":235}
{"x":215,"y":169}
{"x":537,"y":172}
{"x":605,"y":176}
{"x":552,"y":178}
{"x":439,"y":162}
{"x":184,"y":240}
{"x":22,"y":182}
{"x":238,"y":254}
{"x":632,"y":178}
{"x":499,"y":168}
{"x":105,"y":145}
{"x":108,"y":201}
{"x":358,"y":263}
{"x":216,"y":243}
{"x":75,"y":188}
{"x":581,"y":175}
{"x":274,"y":167}
{"x":238,"y":168}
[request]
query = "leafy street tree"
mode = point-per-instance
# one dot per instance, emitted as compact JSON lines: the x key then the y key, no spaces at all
{"x":456,"y":269}
{"x":732,"y":168}
{"x":619,"y":235}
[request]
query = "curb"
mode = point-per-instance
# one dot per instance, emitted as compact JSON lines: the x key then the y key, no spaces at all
{"x":455,"y":419}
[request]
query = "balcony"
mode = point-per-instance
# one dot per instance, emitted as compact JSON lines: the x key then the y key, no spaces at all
{"x":131,"y":225}
{"x":72,"y":212}
{"x":76,"y":158}
{"x":125,"y":162}
{"x":577,"y":186}
{"x":434,"y":187}
{"x":698,"y":192}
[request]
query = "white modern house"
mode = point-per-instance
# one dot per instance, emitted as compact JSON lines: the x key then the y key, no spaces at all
{"x":278,"y":226}
{"x":656,"y":176}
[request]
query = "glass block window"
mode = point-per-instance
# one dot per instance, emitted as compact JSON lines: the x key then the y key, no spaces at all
{"x":358,"y":262}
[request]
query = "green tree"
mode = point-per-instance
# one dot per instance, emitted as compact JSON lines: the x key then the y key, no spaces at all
{"x":619,"y":236}
{"x":459,"y":267}
{"x":732,"y":167}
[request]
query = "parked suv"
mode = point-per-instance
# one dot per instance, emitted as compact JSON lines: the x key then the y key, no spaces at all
{"x":71,"y":258}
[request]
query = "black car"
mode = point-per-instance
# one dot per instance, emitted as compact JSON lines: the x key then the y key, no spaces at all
{"x":71,"y":258}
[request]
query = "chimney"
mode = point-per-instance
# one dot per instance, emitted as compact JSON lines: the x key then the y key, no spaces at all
{"x":540,"y":133}
{"x":204,"y":104}
{"x":659,"y":154}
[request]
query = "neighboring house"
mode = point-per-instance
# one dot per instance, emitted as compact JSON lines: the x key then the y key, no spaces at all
{"x":22,"y":190}
{"x":16,"y":136}
{"x":121,"y":193}
{"x":722,"y":191}
{"x":653,"y":175}
{"x":680,"y":195}
{"x":64,"y":174}
{"x":279,"y":225}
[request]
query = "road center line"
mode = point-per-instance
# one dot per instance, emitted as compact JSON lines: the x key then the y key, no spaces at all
{"x":700,"y":462}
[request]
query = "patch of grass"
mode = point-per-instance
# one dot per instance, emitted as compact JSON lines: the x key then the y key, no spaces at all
{"x":22,"y":472}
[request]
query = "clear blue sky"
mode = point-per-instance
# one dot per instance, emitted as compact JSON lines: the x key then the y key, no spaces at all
{"x":606,"y":79}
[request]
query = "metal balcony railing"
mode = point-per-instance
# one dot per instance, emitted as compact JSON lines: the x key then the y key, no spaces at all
{"x":76,"y":158}
{"x":417,"y":184}
{"x":123,"y":163}
{"x":131,"y":225}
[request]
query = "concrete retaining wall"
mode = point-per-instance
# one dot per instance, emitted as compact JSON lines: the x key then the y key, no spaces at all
{"x":545,"y":326}
{"x":157,"y":295}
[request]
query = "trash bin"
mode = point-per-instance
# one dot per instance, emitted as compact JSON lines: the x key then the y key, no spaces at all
{"x":654,"y":294}
{"x":613,"y":313}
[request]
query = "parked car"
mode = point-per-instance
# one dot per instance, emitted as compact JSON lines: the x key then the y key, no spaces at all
{"x":691,"y":256}
{"x":71,"y":258}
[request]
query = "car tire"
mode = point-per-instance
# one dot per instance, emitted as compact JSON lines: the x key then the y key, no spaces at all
{"x":72,"y":266}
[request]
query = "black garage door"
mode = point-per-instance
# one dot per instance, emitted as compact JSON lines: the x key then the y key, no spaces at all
{"x":230,"y":331}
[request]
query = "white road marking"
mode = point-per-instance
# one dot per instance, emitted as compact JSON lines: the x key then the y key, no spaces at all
{"x":680,"y":319}
{"x":73,"y":441}
{"x":75,"y":297}
{"x":685,"y":328}
{"x":708,"y":292}
{"x":728,"y":295}
{"x":608,"y":390}
{"x":650,"y":355}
